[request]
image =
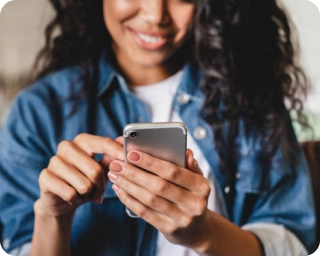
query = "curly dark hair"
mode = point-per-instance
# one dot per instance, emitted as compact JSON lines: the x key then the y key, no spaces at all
{"x":245,"y":49}
{"x":243,"y":46}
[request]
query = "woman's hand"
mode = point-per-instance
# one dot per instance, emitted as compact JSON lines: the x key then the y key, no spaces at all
{"x":73,"y":177}
{"x":174,"y":200}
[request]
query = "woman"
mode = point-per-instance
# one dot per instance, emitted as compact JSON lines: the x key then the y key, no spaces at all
{"x":245,"y":190}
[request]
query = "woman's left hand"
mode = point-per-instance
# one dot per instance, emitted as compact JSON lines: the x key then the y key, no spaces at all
{"x":174,"y":200}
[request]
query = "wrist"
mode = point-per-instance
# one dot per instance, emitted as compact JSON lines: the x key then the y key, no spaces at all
{"x":57,"y":230}
{"x":217,"y":234}
{"x":204,"y":242}
{"x":44,"y":215}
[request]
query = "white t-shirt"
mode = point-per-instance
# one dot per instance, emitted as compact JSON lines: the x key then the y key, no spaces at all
{"x":159,"y":97}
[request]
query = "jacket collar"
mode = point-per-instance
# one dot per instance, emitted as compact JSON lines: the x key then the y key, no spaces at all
{"x":191,"y":79}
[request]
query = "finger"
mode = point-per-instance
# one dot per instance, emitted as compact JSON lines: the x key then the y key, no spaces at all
{"x":150,"y":215}
{"x":192,"y":163}
{"x":73,"y":155}
{"x":50,"y":183}
{"x":155,"y":184}
{"x":120,"y":140}
{"x":146,"y":197}
{"x":177,"y":175}
{"x":92,"y":144}
{"x":136,"y":206}
{"x":75,"y":179}
{"x":106,"y":160}
{"x":160,"y":221}
{"x":189,"y":153}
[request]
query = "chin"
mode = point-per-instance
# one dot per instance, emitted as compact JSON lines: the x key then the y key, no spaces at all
{"x":146,"y":62}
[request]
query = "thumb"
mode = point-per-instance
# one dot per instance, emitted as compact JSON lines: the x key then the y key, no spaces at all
{"x":192,"y":164}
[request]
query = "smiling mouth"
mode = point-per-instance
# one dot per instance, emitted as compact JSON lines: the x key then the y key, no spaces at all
{"x":150,"y":39}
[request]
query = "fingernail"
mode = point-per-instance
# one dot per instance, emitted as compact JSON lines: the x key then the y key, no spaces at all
{"x":115,"y":167}
{"x":112,"y":176}
{"x":115,"y":188}
{"x":133,"y":156}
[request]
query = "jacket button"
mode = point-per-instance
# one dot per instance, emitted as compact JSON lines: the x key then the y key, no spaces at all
{"x":227,"y":189}
{"x":183,"y":98}
{"x":6,"y":243}
{"x":238,"y":175}
{"x":200,"y":133}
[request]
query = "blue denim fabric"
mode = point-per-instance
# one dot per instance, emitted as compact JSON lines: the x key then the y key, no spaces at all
{"x":40,"y":119}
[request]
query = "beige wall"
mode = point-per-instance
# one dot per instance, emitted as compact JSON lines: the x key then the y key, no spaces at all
{"x":21,"y":36}
{"x":21,"y":23}
{"x":306,"y":17}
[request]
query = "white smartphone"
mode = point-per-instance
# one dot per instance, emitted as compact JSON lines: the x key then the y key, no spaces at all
{"x":166,"y":140}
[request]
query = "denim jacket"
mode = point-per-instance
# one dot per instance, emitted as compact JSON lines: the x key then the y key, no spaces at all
{"x":42,"y":116}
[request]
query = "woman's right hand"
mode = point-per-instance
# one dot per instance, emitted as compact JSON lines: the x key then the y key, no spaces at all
{"x":73,"y":177}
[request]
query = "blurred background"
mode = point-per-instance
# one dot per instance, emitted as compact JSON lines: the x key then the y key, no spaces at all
{"x":22,"y":23}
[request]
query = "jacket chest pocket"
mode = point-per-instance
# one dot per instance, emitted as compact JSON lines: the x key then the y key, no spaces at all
{"x":252,"y":175}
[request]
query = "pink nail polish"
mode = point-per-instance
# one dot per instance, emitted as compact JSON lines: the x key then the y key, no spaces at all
{"x":115,"y":167}
{"x":115,"y":187}
{"x":133,"y":156}
{"x":112,"y":175}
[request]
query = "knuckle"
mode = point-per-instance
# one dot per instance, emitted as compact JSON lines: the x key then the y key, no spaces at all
{"x":172,"y":173}
{"x":54,"y":161}
{"x":142,"y":212}
{"x":96,"y":171}
{"x":161,"y":186}
{"x":152,"y":200}
{"x":171,"y":230}
{"x":132,"y":174}
{"x":147,"y":161}
{"x":69,"y":195}
{"x":85,"y":188}
{"x":106,"y":142}
{"x":124,"y":198}
{"x":64,"y":146}
{"x":205,"y":189}
{"x":185,"y":222}
{"x":79,"y":137}
{"x":43,"y":177}
{"x":199,"y":208}
{"x":125,"y":185}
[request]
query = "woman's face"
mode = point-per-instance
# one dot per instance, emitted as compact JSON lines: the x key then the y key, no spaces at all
{"x":147,"y":32}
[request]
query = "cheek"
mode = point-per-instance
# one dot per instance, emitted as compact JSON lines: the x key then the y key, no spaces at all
{"x":118,"y":10}
{"x":182,"y":19}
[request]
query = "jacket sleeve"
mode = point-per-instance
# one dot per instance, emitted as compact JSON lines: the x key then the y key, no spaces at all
{"x":277,"y":195}
{"x":23,"y":154}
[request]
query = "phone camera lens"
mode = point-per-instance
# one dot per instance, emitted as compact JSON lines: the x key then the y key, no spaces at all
{"x":133,"y":134}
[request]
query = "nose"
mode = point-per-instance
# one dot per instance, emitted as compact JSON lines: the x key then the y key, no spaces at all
{"x":155,"y":11}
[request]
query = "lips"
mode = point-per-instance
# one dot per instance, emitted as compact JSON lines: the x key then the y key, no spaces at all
{"x":150,"y":41}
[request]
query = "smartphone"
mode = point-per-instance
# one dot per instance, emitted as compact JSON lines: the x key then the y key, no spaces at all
{"x":166,"y":141}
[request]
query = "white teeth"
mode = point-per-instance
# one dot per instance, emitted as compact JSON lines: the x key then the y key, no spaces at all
{"x":149,"y":39}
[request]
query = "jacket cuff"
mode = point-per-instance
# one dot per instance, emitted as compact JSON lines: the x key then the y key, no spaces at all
{"x":276,"y":239}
